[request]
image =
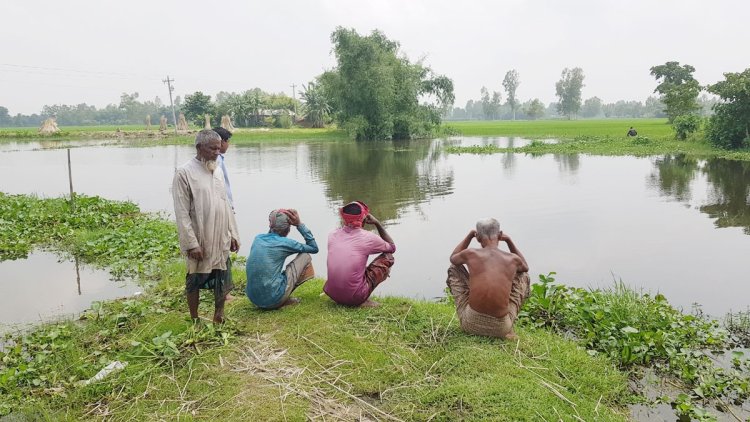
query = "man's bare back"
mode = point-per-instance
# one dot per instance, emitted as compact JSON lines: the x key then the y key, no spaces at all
{"x":491,"y":272}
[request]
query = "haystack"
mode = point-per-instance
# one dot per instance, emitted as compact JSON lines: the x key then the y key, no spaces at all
{"x":182,"y":125}
{"x":163,"y":123}
{"x":226,"y":123}
{"x":207,"y":125}
{"x":148,"y":122}
{"x":49,"y":127}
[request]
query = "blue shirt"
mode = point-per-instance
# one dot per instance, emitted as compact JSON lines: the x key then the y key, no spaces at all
{"x":226,"y":180}
{"x":266,"y":279}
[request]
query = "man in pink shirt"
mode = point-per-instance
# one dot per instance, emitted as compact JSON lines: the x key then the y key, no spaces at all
{"x":350,"y":280}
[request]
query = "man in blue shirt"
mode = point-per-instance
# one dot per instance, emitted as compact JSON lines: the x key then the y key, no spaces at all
{"x":269,"y":287}
{"x":225,"y":135}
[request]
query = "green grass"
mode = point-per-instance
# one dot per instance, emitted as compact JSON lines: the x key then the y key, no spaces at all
{"x":562,"y":128}
{"x":137,"y":134}
{"x":614,"y":145}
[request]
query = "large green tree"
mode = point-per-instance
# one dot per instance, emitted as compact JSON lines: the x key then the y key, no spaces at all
{"x":376,"y":93}
{"x":510,"y":83}
{"x":568,"y":90}
{"x":534,"y":109}
{"x":729,"y":127}
{"x":196,"y":106}
{"x":679,"y":90}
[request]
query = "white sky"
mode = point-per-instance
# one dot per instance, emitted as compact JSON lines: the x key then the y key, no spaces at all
{"x":107,"y":47}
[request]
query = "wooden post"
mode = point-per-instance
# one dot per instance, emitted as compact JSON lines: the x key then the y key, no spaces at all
{"x":70,"y":179}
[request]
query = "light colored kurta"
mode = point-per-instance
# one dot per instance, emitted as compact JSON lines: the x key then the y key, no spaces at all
{"x":204,"y":216}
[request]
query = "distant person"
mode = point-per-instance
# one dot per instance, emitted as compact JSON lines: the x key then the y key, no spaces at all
{"x":632,"y":132}
{"x":350,"y":280}
{"x":205,"y":224}
{"x":269,"y":286}
{"x":225,"y":136}
{"x":489,"y":295}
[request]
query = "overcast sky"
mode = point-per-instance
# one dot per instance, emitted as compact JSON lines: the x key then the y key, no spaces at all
{"x":74,"y":51}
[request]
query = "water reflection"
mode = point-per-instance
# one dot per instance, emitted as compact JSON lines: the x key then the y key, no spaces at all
{"x":728,"y":197}
{"x":389,"y":176}
{"x":44,"y":287}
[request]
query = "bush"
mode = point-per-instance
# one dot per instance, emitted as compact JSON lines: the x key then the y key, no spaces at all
{"x":725,"y":131}
{"x":282,"y":121}
{"x":685,"y":125}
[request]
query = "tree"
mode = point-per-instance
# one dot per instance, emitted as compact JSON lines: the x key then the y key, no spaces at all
{"x":592,"y":107}
{"x":316,"y":106}
{"x":196,"y":106}
{"x":377,"y":93}
{"x":510,"y":83}
{"x":729,"y":127}
{"x":679,"y":90}
{"x":534,"y":109}
{"x":568,"y":90}
{"x":5,"y":119}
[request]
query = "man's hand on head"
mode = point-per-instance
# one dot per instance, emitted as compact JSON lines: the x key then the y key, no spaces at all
{"x":293,"y":217}
{"x":196,"y":253}
{"x":503,"y":237}
{"x":234,"y":246}
{"x":370,"y":219}
{"x":472,"y":233}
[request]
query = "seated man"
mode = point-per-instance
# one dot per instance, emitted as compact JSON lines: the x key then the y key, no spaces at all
{"x":349,"y":281}
{"x":488,"y":296}
{"x":269,"y":287}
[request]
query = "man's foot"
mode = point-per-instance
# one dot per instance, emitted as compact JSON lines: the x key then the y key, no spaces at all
{"x":369,"y":304}
{"x":228,"y":297}
{"x":290,"y":301}
{"x":307,"y":273}
{"x":511,"y":336}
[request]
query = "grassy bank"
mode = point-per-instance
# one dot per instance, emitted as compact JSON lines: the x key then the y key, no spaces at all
{"x":536,"y":129}
{"x":406,"y":360}
{"x":138,"y":133}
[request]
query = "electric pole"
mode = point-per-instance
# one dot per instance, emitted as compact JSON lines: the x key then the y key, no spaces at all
{"x":171,"y":88}
{"x":294,"y":97}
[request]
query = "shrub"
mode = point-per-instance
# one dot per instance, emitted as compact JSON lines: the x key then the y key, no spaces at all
{"x":685,"y":125}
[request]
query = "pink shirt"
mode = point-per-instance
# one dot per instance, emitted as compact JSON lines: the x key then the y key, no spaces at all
{"x":348,"y":250}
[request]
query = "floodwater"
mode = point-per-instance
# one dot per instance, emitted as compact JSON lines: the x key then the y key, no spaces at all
{"x":44,"y":286}
{"x":663,"y":224}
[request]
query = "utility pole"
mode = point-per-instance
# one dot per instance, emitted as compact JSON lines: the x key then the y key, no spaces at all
{"x":294,"y":97}
{"x":171,"y":88}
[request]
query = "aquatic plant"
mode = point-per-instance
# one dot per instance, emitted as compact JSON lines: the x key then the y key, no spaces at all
{"x":638,"y":329}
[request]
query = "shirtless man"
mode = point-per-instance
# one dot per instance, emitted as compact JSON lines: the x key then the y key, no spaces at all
{"x":489,"y":295}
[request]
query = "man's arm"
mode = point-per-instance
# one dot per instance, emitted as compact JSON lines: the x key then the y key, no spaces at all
{"x":370,"y":219}
{"x":514,"y":250}
{"x":310,"y":246}
{"x":458,"y":257}
{"x":182,"y":197}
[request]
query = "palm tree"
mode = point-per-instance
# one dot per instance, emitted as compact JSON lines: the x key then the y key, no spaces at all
{"x":316,"y":105}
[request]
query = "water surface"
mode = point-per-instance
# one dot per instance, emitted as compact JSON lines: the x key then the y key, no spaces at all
{"x":663,"y":224}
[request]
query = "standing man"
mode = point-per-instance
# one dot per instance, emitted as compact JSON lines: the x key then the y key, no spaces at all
{"x":205,"y":224}
{"x":350,"y":280}
{"x":489,"y":295}
{"x":225,"y":135}
{"x":269,"y":284}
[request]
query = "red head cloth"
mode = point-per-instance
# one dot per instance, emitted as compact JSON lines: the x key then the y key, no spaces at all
{"x":352,"y":220}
